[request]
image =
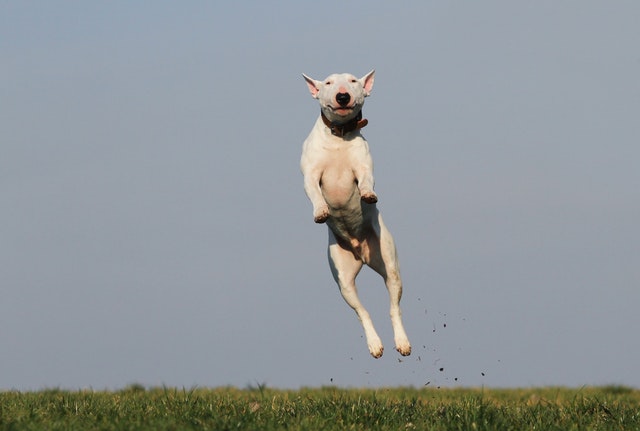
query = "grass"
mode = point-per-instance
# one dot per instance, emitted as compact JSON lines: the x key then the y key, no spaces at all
{"x":261,"y":408}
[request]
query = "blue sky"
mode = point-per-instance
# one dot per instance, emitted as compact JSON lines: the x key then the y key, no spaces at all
{"x":155,"y":230}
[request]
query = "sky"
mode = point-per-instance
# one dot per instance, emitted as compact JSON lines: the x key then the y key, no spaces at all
{"x":154,"y":229}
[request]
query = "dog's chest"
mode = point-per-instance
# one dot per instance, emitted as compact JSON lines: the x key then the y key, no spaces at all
{"x":337,"y":155}
{"x":338,"y":180}
{"x":338,"y":165}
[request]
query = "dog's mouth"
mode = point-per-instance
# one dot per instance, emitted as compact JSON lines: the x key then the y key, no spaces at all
{"x":342,"y":110}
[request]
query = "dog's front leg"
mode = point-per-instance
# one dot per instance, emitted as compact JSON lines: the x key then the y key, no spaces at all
{"x":314,"y":192}
{"x":364,"y":176}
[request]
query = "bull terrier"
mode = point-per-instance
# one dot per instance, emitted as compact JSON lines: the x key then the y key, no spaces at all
{"x":338,"y":179}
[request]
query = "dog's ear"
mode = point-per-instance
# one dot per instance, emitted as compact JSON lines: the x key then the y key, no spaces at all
{"x":314,"y":86}
{"x":367,"y":82}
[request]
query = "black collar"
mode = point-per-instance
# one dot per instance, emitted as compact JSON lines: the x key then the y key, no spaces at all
{"x":342,"y":129}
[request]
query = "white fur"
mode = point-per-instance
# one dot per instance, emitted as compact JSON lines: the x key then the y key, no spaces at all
{"x":338,"y":179}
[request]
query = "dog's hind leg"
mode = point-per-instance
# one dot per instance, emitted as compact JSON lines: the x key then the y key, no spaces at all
{"x":383,"y":259}
{"x":345,"y":267}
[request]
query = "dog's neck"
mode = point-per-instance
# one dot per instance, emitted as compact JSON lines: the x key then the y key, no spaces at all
{"x":340,"y":130}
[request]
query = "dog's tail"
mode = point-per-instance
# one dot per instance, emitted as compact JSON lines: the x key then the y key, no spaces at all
{"x":360,"y":249}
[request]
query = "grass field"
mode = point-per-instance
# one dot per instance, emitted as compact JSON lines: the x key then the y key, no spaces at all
{"x":261,"y":408}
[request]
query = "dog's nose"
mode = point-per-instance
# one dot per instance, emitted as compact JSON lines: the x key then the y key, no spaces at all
{"x":343,"y":99}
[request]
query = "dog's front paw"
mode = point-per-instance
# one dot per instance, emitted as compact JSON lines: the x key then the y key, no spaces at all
{"x":369,"y":197}
{"x":321,"y":214}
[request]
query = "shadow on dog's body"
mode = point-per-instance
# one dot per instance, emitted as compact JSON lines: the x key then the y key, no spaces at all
{"x":338,"y":179}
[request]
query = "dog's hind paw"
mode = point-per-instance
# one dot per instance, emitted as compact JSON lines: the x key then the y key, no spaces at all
{"x":376,"y":349}
{"x":369,"y":197}
{"x":404,"y":350}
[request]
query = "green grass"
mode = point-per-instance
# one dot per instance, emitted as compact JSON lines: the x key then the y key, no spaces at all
{"x":136,"y":408}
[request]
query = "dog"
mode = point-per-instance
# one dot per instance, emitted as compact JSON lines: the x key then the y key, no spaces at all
{"x":338,"y":179}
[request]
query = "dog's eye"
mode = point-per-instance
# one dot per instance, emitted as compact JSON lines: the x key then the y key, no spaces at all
{"x":354,"y":81}
{"x":328,"y":83}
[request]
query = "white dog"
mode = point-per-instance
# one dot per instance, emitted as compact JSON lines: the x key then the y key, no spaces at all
{"x":338,"y":178}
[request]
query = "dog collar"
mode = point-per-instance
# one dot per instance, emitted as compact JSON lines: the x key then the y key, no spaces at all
{"x":342,"y":129}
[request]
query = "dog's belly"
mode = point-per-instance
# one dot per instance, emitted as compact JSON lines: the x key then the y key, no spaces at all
{"x":352,"y":229}
{"x":339,"y":187}
{"x":343,"y":197}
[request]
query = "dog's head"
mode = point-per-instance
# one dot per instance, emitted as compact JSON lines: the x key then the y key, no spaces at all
{"x":341,"y":96}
